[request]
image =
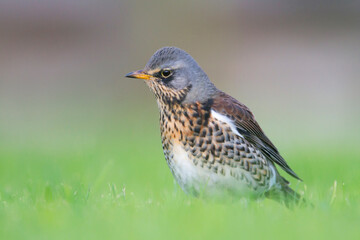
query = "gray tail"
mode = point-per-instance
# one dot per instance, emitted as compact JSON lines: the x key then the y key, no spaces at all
{"x":285,"y":195}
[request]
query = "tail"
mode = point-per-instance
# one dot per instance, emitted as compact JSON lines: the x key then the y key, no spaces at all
{"x":285,"y":195}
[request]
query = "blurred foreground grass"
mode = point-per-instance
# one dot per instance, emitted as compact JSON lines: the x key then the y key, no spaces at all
{"x":119,"y":187}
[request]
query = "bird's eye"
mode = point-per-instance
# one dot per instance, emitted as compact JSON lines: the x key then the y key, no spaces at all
{"x":166,"y":73}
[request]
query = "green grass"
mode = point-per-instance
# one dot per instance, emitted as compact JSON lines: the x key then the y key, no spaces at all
{"x":111,"y":188}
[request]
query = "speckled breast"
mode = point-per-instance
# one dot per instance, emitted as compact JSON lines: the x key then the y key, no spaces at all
{"x":207,"y":157}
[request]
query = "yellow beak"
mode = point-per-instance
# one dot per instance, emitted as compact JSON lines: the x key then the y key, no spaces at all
{"x":138,"y":74}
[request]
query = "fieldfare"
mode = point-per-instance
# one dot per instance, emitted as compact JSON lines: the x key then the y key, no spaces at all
{"x":212,"y":143}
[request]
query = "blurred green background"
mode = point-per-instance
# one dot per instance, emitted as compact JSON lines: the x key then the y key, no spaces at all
{"x":80,"y":150}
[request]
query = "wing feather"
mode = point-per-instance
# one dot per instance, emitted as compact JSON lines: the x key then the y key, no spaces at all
{"x":247,"y":126}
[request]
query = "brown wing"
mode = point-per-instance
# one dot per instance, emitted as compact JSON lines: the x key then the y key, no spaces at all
{"x":247,"y":126}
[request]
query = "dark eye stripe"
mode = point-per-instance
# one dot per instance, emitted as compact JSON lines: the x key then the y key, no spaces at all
{"x":167,"y":80}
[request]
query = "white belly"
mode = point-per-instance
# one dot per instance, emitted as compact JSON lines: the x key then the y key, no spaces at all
{"x":200,"y":180}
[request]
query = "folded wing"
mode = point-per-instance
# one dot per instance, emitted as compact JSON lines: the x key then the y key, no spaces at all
{"x":247,"y":126}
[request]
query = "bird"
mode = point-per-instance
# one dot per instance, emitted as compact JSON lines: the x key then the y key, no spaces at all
{"x":212,"y":143}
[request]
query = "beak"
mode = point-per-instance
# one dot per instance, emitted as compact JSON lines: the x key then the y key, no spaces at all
{"x":138,"y":74}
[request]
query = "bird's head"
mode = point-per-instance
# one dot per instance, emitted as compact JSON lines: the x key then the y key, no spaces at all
{"x":174,"y":76}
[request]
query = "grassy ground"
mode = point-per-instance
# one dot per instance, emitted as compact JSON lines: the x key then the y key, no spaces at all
{"x":111,"y":188}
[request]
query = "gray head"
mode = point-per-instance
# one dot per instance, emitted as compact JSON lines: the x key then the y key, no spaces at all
{"x":171,"y":70}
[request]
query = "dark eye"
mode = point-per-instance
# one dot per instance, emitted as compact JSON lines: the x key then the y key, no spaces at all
{"x":166,"y":73}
